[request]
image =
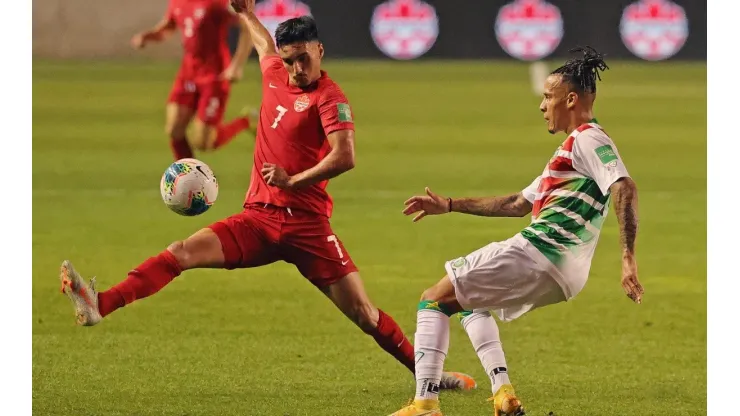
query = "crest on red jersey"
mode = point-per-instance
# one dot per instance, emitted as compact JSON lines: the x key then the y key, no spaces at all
{"x":301,"y":103}
{"x":529,"y":29}
{"x":654,"y":29}
{"x":273,"y":12}
{"x":404,"y":29}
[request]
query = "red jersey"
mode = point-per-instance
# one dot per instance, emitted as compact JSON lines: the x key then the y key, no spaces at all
{"x":293,"y":126}
{"x":204,"y":26}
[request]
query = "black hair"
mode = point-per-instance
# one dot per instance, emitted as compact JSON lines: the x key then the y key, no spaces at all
{"x":297,"y":29}
{"x":582,"y":72}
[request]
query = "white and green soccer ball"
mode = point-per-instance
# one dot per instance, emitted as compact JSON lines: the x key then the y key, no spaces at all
{"x":189,"y":187}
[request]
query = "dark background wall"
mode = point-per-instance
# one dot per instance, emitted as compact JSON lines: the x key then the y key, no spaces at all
{"x":102,"y":28}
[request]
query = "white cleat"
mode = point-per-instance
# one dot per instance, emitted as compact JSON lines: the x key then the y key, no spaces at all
{"x":84,"y":297}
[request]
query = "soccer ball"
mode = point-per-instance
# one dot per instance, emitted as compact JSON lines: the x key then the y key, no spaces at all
{"x":189,"y":187}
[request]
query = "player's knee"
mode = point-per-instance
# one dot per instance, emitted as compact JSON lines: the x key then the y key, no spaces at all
{"x":365,"y":316}
{"x":440,"y":300}
{"x":184,"y":259}
{"x":430,"y":295}
{"x":175,"y":131}
{"x":201,"y":139}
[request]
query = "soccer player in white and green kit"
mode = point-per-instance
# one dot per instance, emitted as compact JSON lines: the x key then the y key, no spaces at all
{"x":546,"y":263}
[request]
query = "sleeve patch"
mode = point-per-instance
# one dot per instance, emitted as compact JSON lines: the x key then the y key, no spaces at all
{"x":345,"y":114}
{"x":606,"y":155}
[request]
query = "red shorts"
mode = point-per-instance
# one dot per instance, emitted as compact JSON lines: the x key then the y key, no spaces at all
{"x":207,"y":99}
{"x":262,"y":235}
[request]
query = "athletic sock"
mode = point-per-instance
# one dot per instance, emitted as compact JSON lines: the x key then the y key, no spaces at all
{"x":145,"y":280}
{"x":227,"y":132}
{"x":390,"y":338}
{"x":484,"y":335}
{"x":430,"y":344}
{"x":180,"y":148}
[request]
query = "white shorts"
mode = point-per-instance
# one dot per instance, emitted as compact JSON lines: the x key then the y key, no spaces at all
{"x":505,"y":278}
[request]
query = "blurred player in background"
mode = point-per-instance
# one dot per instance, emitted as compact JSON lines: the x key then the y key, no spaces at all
{"x":202,"y":85}
{"x":549,"y":261}
{"x":305,"y":136}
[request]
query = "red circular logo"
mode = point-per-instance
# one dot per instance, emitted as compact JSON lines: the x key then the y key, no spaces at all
{"x":654,"y":29}
{"x":404,"y":29}
{"x":529,"y":29}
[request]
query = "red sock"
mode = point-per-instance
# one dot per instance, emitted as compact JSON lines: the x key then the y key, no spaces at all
{"x":227,"y":132}
{"x":143,"y":281}
{"x":390,"y":338}
{"x":180,"y":148}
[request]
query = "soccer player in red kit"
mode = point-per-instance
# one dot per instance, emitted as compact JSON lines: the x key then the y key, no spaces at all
{"x":305,"y":136}
{"x":202,"y":85}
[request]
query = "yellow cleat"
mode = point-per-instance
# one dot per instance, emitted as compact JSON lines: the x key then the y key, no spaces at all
{"x":420,"y":408}
{"x":505,"y":402}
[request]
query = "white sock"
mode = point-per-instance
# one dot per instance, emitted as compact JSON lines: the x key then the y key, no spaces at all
{"x":431,"y":342}
{"x":483,"y":333}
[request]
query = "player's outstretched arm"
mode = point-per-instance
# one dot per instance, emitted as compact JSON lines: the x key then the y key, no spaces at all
{"x":261,"y":38}
{"x":156,"y":34}
{"x":514,"y":205}
{"x":624,"y":192}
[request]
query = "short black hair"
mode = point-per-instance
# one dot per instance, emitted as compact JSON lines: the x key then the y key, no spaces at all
{"x":582,"y":72}
{"x":297,"y":29}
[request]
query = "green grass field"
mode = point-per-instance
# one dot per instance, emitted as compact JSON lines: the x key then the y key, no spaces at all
{"x":265,"y":342}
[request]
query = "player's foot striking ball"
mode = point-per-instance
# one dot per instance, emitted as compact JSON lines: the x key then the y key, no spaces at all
{"x":202,"y":86}
{"x":305,"y":136}
{"x":546,"y":263}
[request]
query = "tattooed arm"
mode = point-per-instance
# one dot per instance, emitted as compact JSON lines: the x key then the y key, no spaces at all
{"x":624,"y":192}
{"x":514,"y":205}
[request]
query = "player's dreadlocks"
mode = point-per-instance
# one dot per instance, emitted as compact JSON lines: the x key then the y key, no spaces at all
{"x":582,"y":72}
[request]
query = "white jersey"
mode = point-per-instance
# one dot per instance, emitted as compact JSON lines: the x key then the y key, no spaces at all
{"x":570,"y":202}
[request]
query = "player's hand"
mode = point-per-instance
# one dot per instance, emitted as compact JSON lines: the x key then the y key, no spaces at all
{"x":231,"y":74}
{"x":429,"y":204}
{"x":243,"y":6}
{"x":630,"y":284}
{"x":138,"y":41}
{"x":276,"y":176}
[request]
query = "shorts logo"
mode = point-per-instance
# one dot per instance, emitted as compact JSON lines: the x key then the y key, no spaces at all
{"x":654,"y":29}
{"x":273,"y":12}
{"x":301,"y":103}
{"x":404,"y":29}
{"x":607,"y":156}
{"x":457,"y":263}
{"x":529,"y":29}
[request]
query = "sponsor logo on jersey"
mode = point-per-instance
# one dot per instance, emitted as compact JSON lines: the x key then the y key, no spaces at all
{"x":404,"y":29}
{"x":273,"y":12}
{"x":301,"y":103}
{"x":199,"y":13}
{"x":654,"y":29}
{"x":529,"y":29}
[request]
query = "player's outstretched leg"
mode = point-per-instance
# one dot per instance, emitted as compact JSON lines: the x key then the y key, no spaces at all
{"x":207,"y":137}
{"x":351,"y":298}
{"x":202,"y":249}
{"x":484,"y":335}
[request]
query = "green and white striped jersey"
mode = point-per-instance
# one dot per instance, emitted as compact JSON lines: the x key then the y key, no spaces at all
{"x":570,"y":201}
